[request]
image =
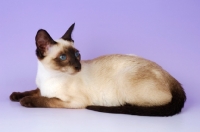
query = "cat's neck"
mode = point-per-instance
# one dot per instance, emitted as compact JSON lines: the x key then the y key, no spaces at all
{"x":44,"y":70}
{"x":44,"y":73}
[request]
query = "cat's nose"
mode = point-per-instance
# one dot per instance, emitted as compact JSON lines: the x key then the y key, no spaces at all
{"x":77,"y":67}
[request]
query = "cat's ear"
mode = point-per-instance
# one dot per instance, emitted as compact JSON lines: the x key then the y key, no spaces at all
{"x":43,"y":41}
{"x":68,"y":34}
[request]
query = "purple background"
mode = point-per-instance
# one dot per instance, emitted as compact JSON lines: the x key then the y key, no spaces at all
{"x":167,"y":32}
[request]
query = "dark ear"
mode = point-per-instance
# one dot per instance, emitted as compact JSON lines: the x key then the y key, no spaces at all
{"x":68,"y":34}
{"x":43,"y":41}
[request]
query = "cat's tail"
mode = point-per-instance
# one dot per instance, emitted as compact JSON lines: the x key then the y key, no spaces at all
{"x":172,"y":108}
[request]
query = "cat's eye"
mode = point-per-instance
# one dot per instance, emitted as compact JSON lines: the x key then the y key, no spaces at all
{"x":77,"y":54}
{"x":63,"y":57}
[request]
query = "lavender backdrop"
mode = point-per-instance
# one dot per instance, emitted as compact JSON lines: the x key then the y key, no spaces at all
{"x":167,"y":32}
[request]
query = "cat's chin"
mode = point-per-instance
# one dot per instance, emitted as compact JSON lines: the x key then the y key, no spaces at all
{"x":73,"y":72}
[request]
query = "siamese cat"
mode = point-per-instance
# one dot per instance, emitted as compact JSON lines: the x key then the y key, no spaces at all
{"x":123,"y":84}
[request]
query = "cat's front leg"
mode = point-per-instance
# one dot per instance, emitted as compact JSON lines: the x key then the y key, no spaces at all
{"x":17,"y":96}
{"x":43,"y":102}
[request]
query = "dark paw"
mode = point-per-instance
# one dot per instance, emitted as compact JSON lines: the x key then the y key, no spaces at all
{"x":16,"y":96}
{"x":27,"y":102}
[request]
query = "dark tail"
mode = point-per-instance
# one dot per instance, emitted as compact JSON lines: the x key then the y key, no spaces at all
{"x":172,"y":108}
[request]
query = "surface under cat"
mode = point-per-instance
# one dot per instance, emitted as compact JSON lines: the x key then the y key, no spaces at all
{"x":123,"y":84}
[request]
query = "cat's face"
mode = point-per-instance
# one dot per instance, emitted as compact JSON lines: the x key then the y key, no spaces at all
{"x":60,"y":55}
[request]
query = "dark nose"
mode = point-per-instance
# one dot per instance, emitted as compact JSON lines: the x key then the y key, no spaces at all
{"x":77,"y":67}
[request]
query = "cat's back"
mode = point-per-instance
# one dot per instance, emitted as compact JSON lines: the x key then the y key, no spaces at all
{"x":122,"y":62}
{"x":122,"y":67}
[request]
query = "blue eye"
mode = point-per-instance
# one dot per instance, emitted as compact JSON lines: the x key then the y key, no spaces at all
{"x":77,"y":54}
{"x":63,"y":57}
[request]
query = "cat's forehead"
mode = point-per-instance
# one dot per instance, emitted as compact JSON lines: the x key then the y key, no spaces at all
{"x":62,"y":46}
{"x":64,"y":43}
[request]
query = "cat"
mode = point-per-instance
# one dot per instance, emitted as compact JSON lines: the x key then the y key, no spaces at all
{"x":123,"y":84}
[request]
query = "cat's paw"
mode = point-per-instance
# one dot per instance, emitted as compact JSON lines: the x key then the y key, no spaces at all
{"x":16,"y":96}
{"x":27,"y":102}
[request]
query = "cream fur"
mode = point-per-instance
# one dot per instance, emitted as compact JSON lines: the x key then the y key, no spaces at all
{"x":111,"y":80}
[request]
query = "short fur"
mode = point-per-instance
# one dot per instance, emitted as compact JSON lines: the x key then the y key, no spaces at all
{"x":125,"y":84}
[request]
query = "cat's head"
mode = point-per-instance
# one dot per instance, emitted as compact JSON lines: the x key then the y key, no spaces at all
{"x":60,"y":55}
